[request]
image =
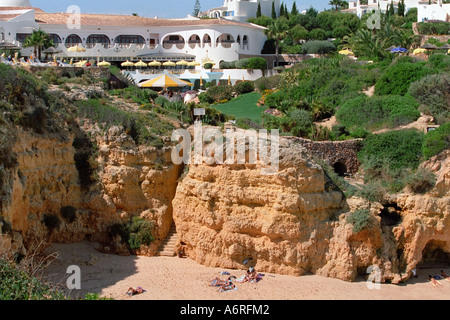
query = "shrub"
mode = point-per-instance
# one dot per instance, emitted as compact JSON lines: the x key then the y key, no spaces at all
{"x":317,"y":34}
{"x":246,"y":123}
{"x":208,"y":65}
{"x":135,"y":232}
{"x":301,"y":122}
{"x":421,"y":181}
{"x":361,"y":220}
{"x":396,"y":149}
{"x":161,"y":101}
{"x":374,"y":112}
{"x":242,"y":64}
{"x":432,"y":94}
{"x":244,"y":87}
{"x":374,"y":191}
{"x":257,"y":63}
{"x":397,"y":78}
{"x":318,"y":47}
{"x":436,"y":141}
{"x":274,"y":99}
{"x":17,"y":284}
{"x":435,"y":28}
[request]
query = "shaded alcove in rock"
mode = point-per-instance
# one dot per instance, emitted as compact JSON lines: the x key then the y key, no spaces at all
{"x":390,"y":215}
{"x":434,"y":255}
{"x":340,"y":168}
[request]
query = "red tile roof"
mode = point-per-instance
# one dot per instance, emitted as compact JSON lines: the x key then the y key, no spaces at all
{"x":131,"y":21}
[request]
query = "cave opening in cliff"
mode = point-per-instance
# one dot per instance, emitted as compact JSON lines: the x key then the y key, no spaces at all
{"x":340,"y":168}
{"x":434,"y":255}
{"x":390,"y":215}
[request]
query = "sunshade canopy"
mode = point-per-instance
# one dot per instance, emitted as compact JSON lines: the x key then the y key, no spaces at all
{"x":165,"y":81}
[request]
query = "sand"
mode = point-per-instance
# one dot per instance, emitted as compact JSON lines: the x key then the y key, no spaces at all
{"x":166,"y":278}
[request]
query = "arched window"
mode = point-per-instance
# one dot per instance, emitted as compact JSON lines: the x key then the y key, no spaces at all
{"x":226,"y":40}
{"x":126,"y":40}
{"x":206,"y":40}
{"x":21,"y":37}
{"x":194,"y":41}
{"x":73,"y":40}
{"x":173,"y":39}
{"x":93,"y":39}
{"x":55,"y":38}
{"x":245,"y":42}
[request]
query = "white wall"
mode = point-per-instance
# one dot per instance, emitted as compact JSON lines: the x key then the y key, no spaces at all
{"x":433,"y":12}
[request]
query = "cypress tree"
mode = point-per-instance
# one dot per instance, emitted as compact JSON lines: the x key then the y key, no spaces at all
{"x":274,"y":12}
{"x":258,"y":11}
{"x":294,"y":10}
{"x":282,"y":10}
{"x":286,"y":12}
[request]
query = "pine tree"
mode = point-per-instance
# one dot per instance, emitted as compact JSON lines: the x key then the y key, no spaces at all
{"x":294,"y":10}
{"x":274,"y":12}
{"x":286,"y":11}
{"x":258,"y":11}
{"x":197,"y":8}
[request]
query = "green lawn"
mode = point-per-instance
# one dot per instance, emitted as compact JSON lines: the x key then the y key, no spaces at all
{"x":244,"y":106}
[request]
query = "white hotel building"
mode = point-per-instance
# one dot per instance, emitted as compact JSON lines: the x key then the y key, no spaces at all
{"x":117,"y":38}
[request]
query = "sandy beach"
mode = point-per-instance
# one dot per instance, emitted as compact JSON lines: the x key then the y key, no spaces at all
{"x":166,"y":278}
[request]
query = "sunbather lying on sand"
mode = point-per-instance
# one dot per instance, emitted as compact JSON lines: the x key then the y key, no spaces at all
{"x":136,"y":291}
{"x":434,"y":282}
{"x":445,"y":276}
{"x":217,"y":282}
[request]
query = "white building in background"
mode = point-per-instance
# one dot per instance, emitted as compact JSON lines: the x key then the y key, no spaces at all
{"x":426,"y":10}
{"x":117,"y":38}
{"x":242,"y":10}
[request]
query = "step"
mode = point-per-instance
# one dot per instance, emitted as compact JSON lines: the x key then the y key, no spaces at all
{"x":168,"y":244}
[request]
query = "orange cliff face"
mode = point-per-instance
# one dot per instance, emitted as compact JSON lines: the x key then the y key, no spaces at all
{"x":289,"y":223}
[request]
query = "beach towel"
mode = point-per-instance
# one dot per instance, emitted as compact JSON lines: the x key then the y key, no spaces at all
{"x":227,"y":288}
{"x":240,"y":279}
{"x":259,"y":277}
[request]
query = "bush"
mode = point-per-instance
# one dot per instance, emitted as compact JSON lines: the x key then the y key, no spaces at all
{"x":398,"y":78}
{"x":318,"y":47}
{"x":432,"y":94}
{"x":397,"y":150}
{"x":421,"y":181}
{"x":135,"y":232}
{"x":434,"y":28}
{"x":301,"y":122}
{"x":373,"y":192}
{"x":436,"y":141}
{"x":361,"y":220}
{"x":257,"y":63}
{"x":161,"y":101}
{"x":242,"y":64}
{"x":17,"y":284}
{"x":244,"y":87}
{"x":317,"y":34}
{"x":374,"y":112}
{"x":216,"y":94}
{"x":208,"y":65}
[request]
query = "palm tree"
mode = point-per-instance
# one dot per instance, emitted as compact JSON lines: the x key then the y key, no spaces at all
{"x":277,"y":30}
{"x":335,"y":3}
{"x":40,"y":40}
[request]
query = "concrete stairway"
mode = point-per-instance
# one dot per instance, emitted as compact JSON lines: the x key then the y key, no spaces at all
{"x":167,"y":247}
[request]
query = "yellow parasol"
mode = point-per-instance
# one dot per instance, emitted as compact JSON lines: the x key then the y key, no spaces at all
{"x":104,"y":64}
{"x":140,"y":63}
{"x":169,"y":64}
{"x":127,"y":64}
{"x":193,"y":64}
{"x":346,"y":52}
{"x":229,"y":80}
{"x":201,"y":81}
{"x":182,"y":63}
{"x":77,"y":48}
{"x":419,"y":51}
{"x":155,"y":63}
{"x":165,"y":81}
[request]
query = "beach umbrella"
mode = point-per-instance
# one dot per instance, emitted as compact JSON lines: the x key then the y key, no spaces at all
{"x":51,"y":50}
{"x":229,"y":80}
{"x":169,"y":64}
{"x":182,"y":63}
{"x":127,"y":64}
{"x":201,"y":81}
{"x":140,"y":64}
{"x":419,"y":51}
{"x":346,"y":52}
{"x":155,"y":63}
{"x":77,"y":48}
{"x":193,"y":64}
{"x":429,"y":46}
{"x":165,"y":81}
{"x":399,"y":50}
{"x":104,"y":64}
{"x":445,"y":47}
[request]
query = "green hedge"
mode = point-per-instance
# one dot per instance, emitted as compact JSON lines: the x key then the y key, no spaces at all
{"x":396,"y":150}
{"x":435,"y":28}
{"x":318,"y":47}
{"x":375,"y":112}
{"x":436,"y":141}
